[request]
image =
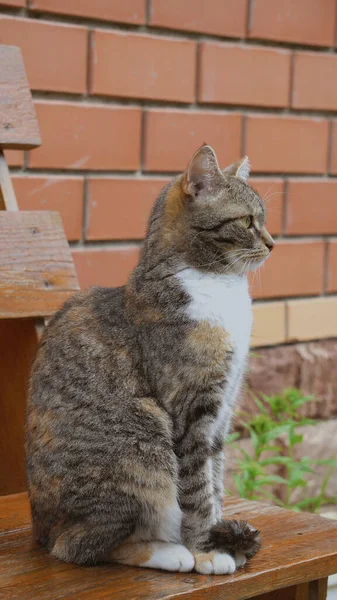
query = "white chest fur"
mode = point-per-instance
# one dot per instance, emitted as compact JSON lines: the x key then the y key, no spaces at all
{"x":222,"y":300}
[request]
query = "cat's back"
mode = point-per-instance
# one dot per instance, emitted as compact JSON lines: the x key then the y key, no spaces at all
{"x":89,"y":320}
{"x":86,"y":346}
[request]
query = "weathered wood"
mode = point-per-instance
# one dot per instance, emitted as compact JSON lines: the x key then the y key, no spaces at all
{"x":14,"y":513}
{"x":18,"y":343}
{"x":18,"y":123}
{"x":318,"y":589}
{"x":295,"y":592}
{"x":7,"y":194}
{"x":37,"y":274}
{"x":312,"y":590}
{"x":297,"y":548}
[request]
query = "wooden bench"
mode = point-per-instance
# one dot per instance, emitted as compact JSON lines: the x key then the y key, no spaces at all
{"x":298,"y":552}
{"x":36,"y":271}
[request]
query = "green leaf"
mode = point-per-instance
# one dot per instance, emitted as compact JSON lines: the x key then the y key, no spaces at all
{"x":232,"y":437}
{"x":295,"y":439}
{"x":269,"y":479}
{"x":259,"y":404}
{"x":255,"y":438}
{"x":239,"y":485}
{"x":297,"y":482}
{"x":305,"y":421}
{"x":329,"y":462}
{"x":276,"y":460}
{"x":272,"y":449}
{"x":276,"y":432}
{"x":313,"y":501}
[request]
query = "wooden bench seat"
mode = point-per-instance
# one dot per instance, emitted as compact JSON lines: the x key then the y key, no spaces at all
{"x":299,"y":551}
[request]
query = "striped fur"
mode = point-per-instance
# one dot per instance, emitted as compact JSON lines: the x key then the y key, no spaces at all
{"x":133,"y":388}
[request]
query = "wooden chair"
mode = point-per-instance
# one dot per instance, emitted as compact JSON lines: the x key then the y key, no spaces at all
{"x":36,"y":271}
{"x":36,"y":276}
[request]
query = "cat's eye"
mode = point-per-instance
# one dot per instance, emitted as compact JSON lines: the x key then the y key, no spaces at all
{"x":247,"y":222}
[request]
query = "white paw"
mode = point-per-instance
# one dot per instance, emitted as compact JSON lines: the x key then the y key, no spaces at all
{"x":170,"y":557}
{"x":240,"y":559}
{"x":217,"y":563}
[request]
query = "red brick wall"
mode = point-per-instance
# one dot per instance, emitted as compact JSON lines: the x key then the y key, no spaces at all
{"x":126,"y":90}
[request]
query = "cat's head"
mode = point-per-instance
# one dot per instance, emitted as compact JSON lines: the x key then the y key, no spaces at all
{"x":214,"y":219}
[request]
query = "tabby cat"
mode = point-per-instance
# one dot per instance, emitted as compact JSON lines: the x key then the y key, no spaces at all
{"x":132,"y":391}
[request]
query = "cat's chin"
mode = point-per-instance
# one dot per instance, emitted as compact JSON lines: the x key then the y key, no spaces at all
{"x":253,"y":266}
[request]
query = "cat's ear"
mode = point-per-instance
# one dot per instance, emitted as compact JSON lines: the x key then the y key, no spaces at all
{"x":239,"y":169}
{"x":202,"y":169}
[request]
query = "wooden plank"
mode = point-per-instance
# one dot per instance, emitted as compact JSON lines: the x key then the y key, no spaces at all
{"x":297,"y":548}
{"x":14,"y":513}
{"x":18,"y":123}
{"x":18,"y":344}
{"x":7,"y":194}
{"x":37,"y":274}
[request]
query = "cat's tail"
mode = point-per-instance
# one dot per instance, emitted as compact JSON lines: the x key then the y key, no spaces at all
{"x":235,"y":537}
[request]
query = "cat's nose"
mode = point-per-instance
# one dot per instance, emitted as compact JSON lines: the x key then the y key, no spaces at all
{"x":268,"y":240}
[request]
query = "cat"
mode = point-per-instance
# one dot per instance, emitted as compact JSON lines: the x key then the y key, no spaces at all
{"x":132,"y":390}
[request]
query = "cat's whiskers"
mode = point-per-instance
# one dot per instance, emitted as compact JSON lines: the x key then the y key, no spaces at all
{"x":267,"y":192}
{"x":218,"y":260}
{"x":271,"y":195}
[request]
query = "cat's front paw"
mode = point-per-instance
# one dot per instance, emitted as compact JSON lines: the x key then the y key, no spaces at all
{"x":238,"y":538}
{"x":214,"y":563}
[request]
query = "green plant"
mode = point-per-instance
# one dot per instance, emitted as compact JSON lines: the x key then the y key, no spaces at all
{"x":274,"y":433}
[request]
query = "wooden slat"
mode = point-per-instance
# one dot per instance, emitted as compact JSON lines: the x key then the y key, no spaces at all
{"x":297,"y":548}
{"x":295,"y":592}
{"x":18,"y":344}
{"x":14,"y":513}
{"x":18,"y":123}
{"x":7,"y":194}
{"x":37,"y":274}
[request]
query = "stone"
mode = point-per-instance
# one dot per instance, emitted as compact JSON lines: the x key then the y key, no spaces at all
{"x":310,"y":367}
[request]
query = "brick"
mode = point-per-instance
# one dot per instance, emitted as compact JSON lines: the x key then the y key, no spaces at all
{"x":128,"y":11}
{"x":332,"y":266}
{"x":142,"y":66}
{"x":281,"y":144}
{"x":268,"y":323}
{"x":14,"y":158}
{"x":311,"y":207}
{"x":311,"y":319}
{"x":63,"y":194}
{"x":82,"y":136}
{"x":272,"y":193}
{"x":293,"y":269}
{"x":222,"y":17}
{"x":315,"y":81}
{"x":19,"y":3}
{"x":249,"y":75}
{"x":119,"y":208}
{"x":108,"y":267}
{"x":172,"y":136}
{"x":54,"y":54}
{"x":333,"y":165}
{"x":303,"y":22}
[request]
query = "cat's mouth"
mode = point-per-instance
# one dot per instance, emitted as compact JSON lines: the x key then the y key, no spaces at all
{"x":245,"y":261}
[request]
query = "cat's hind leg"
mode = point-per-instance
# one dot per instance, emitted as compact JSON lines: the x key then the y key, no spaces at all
{"x":155,"y":555}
